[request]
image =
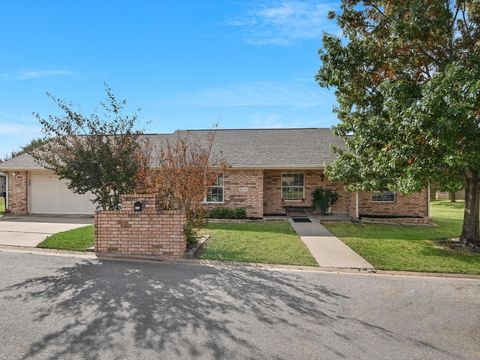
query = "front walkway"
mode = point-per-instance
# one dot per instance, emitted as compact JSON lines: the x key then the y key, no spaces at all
{"x":328,"y":250}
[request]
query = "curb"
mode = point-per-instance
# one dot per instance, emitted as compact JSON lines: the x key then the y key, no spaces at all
{"x":48,"y":252}
{"x":428,"y":274}
{"x":193,"y":251}
{"x":233,"y":264}
{"x":346,"y":271}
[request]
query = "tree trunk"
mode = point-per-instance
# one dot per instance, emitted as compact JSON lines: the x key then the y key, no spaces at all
{"x":451,"y":196}
{"x":471,"y":228}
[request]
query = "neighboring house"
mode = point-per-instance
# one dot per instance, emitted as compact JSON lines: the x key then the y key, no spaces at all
{"x":445,"y":195}
{"x":270,"y":172}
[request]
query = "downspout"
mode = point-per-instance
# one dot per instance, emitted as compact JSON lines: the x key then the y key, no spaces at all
{"x":6,"y":190}
{"x":428,"y":201}
{"x":27,"y":176}
{"x":357,"y":212}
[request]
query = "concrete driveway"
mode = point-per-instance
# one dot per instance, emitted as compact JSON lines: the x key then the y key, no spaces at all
{"x":32,"y":230}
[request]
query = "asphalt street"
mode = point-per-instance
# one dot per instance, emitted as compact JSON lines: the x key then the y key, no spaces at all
{"x":71,"y":308}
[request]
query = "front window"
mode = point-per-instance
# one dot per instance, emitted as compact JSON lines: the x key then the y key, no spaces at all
{"x":293,"y":186}
{"x":383,"y":196}
{"x":215,"y":192}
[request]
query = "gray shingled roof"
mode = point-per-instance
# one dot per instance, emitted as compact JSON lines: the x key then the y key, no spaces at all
{"x":245,"y":148}
{"x":20,"y":162}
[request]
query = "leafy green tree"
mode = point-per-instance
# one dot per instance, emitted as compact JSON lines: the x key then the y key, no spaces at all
{"x":100,"y":154}
{"x":24,"y":149}
{"x":407,"y":80}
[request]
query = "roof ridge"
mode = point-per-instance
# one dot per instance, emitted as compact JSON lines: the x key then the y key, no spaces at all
{"x":233,"y":129}
{"x":258,"y":129}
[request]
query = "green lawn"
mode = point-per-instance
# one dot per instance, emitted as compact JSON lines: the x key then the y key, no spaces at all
{"x":271,"y":242}
{"x":387,"y":247}
{"x":77,"y":239}
{"x":2,"y":206}
{"x":412,"y":248}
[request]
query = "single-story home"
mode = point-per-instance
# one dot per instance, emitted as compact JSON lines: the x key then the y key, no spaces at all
{"x":445,"y":195}
{"x":269,"y":172}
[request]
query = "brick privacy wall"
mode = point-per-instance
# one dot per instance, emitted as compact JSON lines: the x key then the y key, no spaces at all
{"x":415,"y":204}
{"x":18,"y":192}
{"x":243,"y":189}
{"x":272,"y":185}
{"x":151,"y":233}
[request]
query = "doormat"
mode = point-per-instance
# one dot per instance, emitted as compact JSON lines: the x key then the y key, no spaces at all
{"x":299,"y":219}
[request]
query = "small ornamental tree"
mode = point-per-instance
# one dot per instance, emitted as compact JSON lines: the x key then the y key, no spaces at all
{"x":407,"y":79}
{"x":185,"y":172}
{"x":98,"y":154}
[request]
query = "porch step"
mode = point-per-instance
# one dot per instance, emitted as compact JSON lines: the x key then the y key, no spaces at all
{"x":301,"y":219}
{"x":298,"y":210}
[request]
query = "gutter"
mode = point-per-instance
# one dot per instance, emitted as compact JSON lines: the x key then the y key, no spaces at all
{"x":21,"y":169}
{"x":276,"y":167}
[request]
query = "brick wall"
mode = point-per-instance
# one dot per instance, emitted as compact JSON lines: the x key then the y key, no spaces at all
{"x":399,"y":220}
{"x":273,"y":203}
{"x":412,"y":205}
{"x":152,"y":232}
{"x":259,"y":192}
{"x":18,"y":192}
{"x":149,"y":202}
{"x":243,"y":189}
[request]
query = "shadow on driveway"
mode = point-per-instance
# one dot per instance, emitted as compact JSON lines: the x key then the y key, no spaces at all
{"x":125,"y":310}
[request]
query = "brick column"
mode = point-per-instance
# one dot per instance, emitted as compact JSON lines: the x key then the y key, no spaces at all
{"x":18,"y":192}
{"x":152,"y":232}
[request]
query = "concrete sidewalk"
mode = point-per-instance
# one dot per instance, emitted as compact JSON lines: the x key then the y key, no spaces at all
{"x":328,"y":250}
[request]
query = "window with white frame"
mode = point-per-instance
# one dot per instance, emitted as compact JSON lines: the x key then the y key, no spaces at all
{"x":215,"y":192}
{"x":383,"y":196}
{"x":293,"y":186}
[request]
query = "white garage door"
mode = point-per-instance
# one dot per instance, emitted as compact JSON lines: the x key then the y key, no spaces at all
{"x":49,"y":195}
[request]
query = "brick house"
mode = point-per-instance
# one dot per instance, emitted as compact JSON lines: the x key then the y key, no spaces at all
{"x":270,"y":171}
